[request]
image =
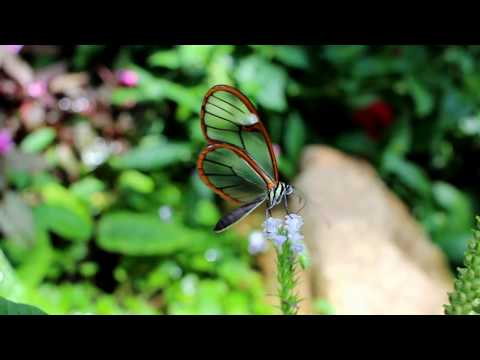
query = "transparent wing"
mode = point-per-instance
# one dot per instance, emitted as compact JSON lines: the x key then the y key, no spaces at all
{"x":228,"y":116}
{"x":231,"y":174}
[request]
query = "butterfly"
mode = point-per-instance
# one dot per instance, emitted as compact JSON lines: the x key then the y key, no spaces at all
{"x":239,"y":162}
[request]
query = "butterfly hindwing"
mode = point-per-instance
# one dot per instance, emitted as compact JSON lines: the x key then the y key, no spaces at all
{"x":238,"y":214}
{"x":231,"y":174}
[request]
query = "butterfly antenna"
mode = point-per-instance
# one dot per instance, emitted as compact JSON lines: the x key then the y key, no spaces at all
{"x":303,"y":201}
{"x":301,"y":195}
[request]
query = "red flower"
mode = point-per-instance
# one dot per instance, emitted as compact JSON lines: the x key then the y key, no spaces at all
{"x":374,"y":118}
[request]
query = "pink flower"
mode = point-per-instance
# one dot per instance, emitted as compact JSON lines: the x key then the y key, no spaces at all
{"x":13,"y":49}
{"x":128,"y":78}
{"x":36,"y":89}
{"x":6,"y":142}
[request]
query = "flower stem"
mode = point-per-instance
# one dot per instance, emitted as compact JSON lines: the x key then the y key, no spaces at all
{"x":286,"y":276}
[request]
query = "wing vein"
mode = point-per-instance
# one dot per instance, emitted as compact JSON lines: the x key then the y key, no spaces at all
{"x":232,"y":105}
{"x":228,"y":112}
{"x":221,"y":117}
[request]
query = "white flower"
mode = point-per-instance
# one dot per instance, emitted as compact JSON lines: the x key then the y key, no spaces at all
{"x":165,"y":213}
{"x":294,"y":223}
{"x":279,"y":239}
{"x":256,"y":243}
{"x":296,"y":237}
{"x":281,"y":230}
{"x":298,"y":247}
{"x":271,"y":226}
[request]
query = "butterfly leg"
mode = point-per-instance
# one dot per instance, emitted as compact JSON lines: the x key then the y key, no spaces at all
{"x":285,"y":204}
{"x":268,"y":212}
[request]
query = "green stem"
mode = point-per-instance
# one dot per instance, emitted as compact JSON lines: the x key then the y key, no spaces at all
{"x":286,"y":276}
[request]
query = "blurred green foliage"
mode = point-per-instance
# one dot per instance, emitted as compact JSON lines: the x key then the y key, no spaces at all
{"x":111,"y":215}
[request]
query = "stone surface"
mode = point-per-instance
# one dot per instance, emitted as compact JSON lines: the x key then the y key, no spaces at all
{"x":369,"y":255}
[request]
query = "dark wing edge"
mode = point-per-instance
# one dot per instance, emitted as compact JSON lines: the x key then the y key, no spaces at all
{"x":237,"y":215}
{"x":257,"y":127}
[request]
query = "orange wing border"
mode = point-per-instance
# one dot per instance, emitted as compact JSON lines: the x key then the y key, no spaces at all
{"x":258,"y":127}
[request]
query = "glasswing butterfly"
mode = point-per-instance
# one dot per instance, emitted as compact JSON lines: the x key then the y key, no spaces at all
{"x":238,"y":163}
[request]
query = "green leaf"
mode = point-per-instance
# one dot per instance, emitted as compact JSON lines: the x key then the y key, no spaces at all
{"x":295,"y":135}
{"x":9,"y":283}
{"x":142,"y":234}
{"x":86,"y":187}
{"x":153,"y":156}
{"x":36,"y":263}
{"x":38,"y":140}
{"x":401,"y":139}
{"x":64,"y":213}
{"x":10,"y":308}
{"x":424,"y":101}
{"x":323,"y":307}
{"x":165,"y":58}
{"x":344,"y":54}
{"x":206,"y":213}
{"x":453,"y":242}
{"x":84,"y":54}
{"x":64,"y":222}
{"x":357,"y":143}
{"x":135,"y":180}
{"x":408,"y":173}
{"x":454,"y":201}
{"x":294,"y":56}
{"x":264,"y":81}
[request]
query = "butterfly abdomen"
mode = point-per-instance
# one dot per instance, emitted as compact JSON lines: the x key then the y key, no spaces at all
{"x":277,"y":193}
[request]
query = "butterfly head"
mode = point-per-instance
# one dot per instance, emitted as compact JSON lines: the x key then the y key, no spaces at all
{"x":289,"y":190}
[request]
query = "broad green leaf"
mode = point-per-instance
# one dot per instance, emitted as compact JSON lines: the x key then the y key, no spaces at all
{"x":357,"y":143}
{"x":135,"y":180}
{"x":10,"y":308}
{"x":151,"y":88}
{"x":38,"y":140}
{"x":86,"y":187}
{"x":36,"y":262}
{"x":84,"y":53}
{"x":194,"y":57}
{"x":264,"y":82}
{"x":454,"y":243}
{"x":323,"y":307}
{"x":10,"y":285}
{"x":424,"y":101}
{"x":295,"y":136}
{"x":64,"y":222}
{"x":456,"y":203}
{"x":206,"y":213}
{"x":64,"y":213}
{"x":294,"y":56}
{"x":408,"y":173}
{"x":401,"y":139}
{"x":143,"y":234}
{"x":153,"y":156}
{"x":165,"y":58}
{"x":344,"y":54}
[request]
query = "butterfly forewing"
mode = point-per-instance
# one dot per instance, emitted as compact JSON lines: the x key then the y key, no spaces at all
{"x":229,"y":117}
{"x":230,"y":173}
